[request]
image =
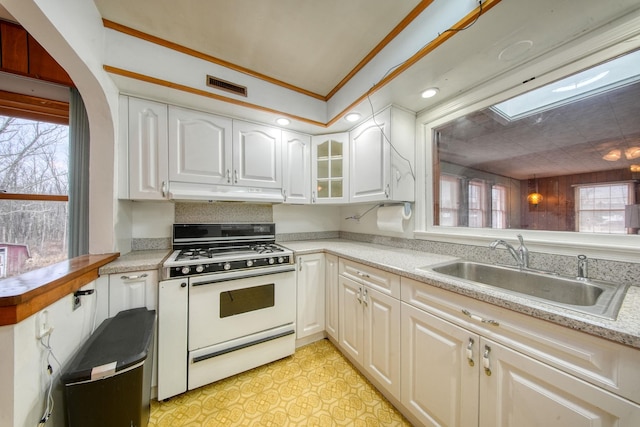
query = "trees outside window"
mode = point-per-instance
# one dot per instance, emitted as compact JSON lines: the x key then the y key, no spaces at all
{"x":34,"y":159}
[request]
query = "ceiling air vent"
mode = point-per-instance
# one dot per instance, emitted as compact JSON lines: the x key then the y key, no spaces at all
{"x":217,"y":83}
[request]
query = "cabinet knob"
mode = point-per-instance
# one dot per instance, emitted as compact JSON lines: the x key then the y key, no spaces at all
{"x":183,"y":285}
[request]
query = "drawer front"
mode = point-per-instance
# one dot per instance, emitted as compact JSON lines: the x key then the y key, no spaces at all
{"x":606,"y":364}
{"x":382,"y":281}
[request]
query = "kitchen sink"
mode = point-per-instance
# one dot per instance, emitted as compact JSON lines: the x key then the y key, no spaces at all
{"x":593,"y":297}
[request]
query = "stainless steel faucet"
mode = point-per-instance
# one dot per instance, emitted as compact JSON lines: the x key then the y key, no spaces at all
{"x":521,"y":255}
{"x":582,"y":267}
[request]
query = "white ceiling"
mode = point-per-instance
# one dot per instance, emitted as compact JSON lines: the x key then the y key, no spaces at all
{"x":310,"y":44}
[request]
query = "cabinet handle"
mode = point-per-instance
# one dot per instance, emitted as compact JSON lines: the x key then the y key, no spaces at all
{"x":313,"y":197}
{"x":486,"y":363}
{"x":361,"y":274}
{"x":299,"y":264}
{"x":386,"y":191}
{"x":235,"y":176}
{"x":228,"y":176}
{"x":359,"y":296}
{"x":140,"y":276}
{"x":164,"y":189}
{"x":365,"y":298}
{"x":284,"y":194}
{"x":480,"y":319}
{"x":470,"y":352}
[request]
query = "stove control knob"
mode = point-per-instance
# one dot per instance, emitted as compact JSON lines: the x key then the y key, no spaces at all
{"x":226,"y":266}
{"x":280,"y":260}
{"x":199,"y":268}
{"x":249,"y":263}
{"x":272,"y":260}
{"x":185,"y":269}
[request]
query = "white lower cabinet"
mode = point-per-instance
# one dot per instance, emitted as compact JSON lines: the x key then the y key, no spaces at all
{"x":521,"y":391}
{"x":439,"y":370}
{"x":132,"y":290}
{"x":331,"y":309}
{"x":369,"y":331}
{"x":466,"y":370}
{"x":311,"y":295}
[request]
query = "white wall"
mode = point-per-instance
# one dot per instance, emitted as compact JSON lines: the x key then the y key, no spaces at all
{"x":306,"y":218}
{"x":23,"y":359}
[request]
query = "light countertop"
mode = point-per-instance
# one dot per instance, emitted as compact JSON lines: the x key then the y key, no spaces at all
{"x":405,"y":262}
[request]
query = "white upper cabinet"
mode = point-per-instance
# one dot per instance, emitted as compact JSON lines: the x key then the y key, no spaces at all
{"x":257,"y":155}
{"x":199,"y":147}
{"x":146,"y":134}
{"x":329,"y":168}
{"x":382,"y":158}
{"x":296,"y":186}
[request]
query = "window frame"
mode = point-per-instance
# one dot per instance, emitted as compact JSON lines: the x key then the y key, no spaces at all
{"x":550,"y":67}
{"x":38,"y":109}
{"x":630,"y":201}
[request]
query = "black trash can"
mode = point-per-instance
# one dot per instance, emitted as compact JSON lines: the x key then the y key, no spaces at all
{"x":108,"y":382}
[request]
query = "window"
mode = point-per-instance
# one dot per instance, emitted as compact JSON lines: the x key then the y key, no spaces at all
{"x":477,"y":204}
{"x":600,"y":207}
{"x":34,"y":160}
{"x":449,"y":189}
{"x":499,"y":206}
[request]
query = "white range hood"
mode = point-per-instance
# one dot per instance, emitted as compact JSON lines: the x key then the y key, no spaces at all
{"x":186,"y":191}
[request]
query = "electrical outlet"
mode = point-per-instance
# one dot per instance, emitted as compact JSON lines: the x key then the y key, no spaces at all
{"x":43,"y":327}
{"x":76,"y":302}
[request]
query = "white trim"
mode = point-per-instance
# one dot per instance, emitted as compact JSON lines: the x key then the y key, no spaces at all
{"x":613,"y":39}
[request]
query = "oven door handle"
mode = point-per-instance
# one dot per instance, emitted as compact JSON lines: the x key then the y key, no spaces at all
{"x":242,"y":274}
{"x":241,"y":346}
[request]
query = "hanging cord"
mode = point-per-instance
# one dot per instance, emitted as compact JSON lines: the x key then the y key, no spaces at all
{"x":48,"y":398}
{"x":448,"y":30}
{"x":373,"y":117}
{"x":357,"y":217}
{"x":399,"y":65}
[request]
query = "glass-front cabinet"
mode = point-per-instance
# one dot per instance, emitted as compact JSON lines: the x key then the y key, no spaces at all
{"x":330,"y":158}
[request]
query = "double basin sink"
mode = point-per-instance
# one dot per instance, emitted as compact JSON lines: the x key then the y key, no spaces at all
{"x":588,"y":296}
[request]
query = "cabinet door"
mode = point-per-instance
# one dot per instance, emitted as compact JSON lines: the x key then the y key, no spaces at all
{"x":257,"y":155}
{"x":199,"y":147}
{"x":382,"y":339}
{"x":310,"y":316}
{"x":148,"y":152}
{"x":350,"y":333}
{"x":521,"y":391}
{"x":132,"y":290}
{"x":329,"y":168}
{"x":172,"y":337}
{"x":296,"y":186}
{"x":370,"y":160}
{"x":331,"y":296}
{"x":439,"y":370}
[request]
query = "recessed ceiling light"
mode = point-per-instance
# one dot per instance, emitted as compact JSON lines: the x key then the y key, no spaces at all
{"x":352,"y":117}
{"x":283,"y":122}
{"x":431,"y":92}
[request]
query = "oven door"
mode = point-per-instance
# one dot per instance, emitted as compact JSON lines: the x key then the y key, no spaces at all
{"x":222,"y":308}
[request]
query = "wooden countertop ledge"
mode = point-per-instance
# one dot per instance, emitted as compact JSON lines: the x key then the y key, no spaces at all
{"x":24,"y":295}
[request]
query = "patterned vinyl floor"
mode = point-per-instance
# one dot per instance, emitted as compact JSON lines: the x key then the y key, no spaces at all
{"x":316,"y":386}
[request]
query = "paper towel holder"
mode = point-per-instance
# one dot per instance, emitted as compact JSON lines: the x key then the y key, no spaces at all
{"x":407,"y":210}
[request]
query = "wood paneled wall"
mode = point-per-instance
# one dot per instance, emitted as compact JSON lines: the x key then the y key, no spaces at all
{"x":556,"y":212}
{"x":21,"y":54}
